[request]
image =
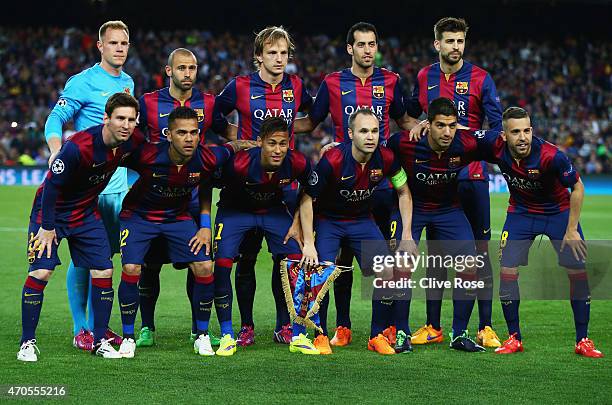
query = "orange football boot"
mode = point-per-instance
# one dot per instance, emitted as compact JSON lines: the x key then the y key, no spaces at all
{"x":342,"y":337}
{"x":391,"y":334}
{"x":321,"y":342}
{"x":380,"y":344}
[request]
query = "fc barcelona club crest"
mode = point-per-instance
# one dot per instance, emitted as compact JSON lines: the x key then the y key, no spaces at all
{"x":126,"y":90}
{"x":194,"y":178}
{"x":378,"y":91}
{"x":375,"y":175}
{"x":461,"y":87}
{"x":533,"y":173}
{"x":288,"y":96}
{"x":454,"y":162}
{"x":200,"y":112}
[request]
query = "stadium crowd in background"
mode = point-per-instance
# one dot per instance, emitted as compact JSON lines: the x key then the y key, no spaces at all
{"x":565,"y":85}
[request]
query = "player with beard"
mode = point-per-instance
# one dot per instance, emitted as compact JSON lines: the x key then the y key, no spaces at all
{"x":155,"y":109}
{"x":472,"y":90}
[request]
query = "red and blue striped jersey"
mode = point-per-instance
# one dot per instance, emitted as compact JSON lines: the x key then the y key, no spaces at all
{"x":255,"y":100}
{"x":432,"y":178}
{"x":539,"y":183}
{"x":155,"y":107}
{"x":342,"y":188}
{"x":248,"y":187}
{"x":81,"y":170}
{"x":475,"y":96}
{"x":342,"y":92}
{"x":163,"y":190}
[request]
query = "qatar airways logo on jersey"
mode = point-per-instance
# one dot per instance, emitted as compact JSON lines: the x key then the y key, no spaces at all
{"x":171,"y":191}
{"x":523,"y":183}
{"x":357,"y":195}
{"x":378,"y":110}
{"x":286,"y":114}
{"x":99,"y":178}
{"x":433,"y":179}
{"x":461,"y":110}
{"x":259,"y":196}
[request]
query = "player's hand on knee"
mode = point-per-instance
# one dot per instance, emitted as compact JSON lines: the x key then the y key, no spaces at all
{"x":201,"y":239}
{"x":43,"y":241}
{"x":576,"y":244}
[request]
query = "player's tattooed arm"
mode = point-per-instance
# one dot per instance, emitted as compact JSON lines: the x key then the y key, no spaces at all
{"x":572,"y":237}
{"x":309,"y":252}
{"x":241,"y":144}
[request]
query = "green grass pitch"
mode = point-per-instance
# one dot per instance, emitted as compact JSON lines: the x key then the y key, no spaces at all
{"x":548,"y":371}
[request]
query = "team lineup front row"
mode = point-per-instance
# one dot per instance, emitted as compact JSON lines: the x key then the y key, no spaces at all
{"x":442,"y":192}
{"x":267,"y":186}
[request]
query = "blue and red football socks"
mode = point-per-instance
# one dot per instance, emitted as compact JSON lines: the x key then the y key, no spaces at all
{"x":31,"y":303}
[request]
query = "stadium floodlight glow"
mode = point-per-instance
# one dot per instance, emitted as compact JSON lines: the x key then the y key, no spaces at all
{"x":14,"y":124}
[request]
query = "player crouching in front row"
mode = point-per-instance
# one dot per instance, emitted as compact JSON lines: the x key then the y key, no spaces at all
{"x":252,"y":199}
{"x":342,"y":186}
{"x":538,"y":176}
{"x":158,"y":206}
{"x":66,"y":206}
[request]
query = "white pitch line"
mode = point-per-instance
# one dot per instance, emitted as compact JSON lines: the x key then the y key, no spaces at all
{"x":9,"y":229}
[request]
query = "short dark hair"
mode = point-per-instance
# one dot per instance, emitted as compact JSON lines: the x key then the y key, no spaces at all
{"x":441,"y":106}
{"x":182,"y":113}
{"x":514,"y":113}
{"x":120,"y":100}
{"x":357,"y":112}
{"x":450,"y":24}
{"x":272,"y":125}
{"x":360,"y":26}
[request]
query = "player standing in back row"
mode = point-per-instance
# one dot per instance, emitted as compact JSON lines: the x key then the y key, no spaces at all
{"x":340,"y":94}
{"x":472,"y":90}
{"x":267,"y":92}
{"x":155,"y":109}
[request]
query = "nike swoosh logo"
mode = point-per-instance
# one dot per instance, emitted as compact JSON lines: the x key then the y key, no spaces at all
{"x":104,"y":94}
{"x":344,"y":93}
{"x":98,"y":164}
{"x":422,"y":161}
{"x":487,"y":230}
{"x":29,"y":295}
{"x":163,"y":115}
{"x":127,"y":305}
{"x":159,"y":175}
{"x":106,"y":292}
{"x":256,"y":97}
{"x":347,"y":177}
{"x":429,"y":337}
{"x":432,"y":87}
